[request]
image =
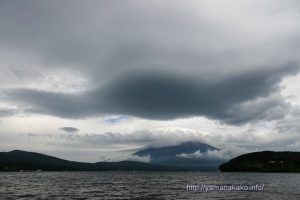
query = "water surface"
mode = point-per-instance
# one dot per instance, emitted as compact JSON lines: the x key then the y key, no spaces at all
{"x":143,"y":185}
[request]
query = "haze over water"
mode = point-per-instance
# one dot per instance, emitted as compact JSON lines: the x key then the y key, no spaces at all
{"x":143,"y":185}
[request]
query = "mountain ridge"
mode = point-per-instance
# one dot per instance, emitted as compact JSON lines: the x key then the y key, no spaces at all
{"x":264,"y":161}
{"x":171,"y":155}
{"x":17,"y":160}
{"x":186,"y":147}
{"x":167,"y":158}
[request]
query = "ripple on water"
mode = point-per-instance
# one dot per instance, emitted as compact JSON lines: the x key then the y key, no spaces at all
{"x":142,"y":185}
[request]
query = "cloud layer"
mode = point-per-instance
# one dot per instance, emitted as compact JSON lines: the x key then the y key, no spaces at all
{"x":69,"y":129}
{"x":159,"y":64}
{"x":235,"y":100}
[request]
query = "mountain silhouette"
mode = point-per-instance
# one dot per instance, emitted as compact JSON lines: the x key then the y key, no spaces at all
{"x":265,"y":161}
{"x":174,"y":155}
{"x":29,"y":161}
{"x":168,"y":158}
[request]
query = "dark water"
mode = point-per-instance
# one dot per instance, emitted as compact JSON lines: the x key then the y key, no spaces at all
{"x":143,"y":185}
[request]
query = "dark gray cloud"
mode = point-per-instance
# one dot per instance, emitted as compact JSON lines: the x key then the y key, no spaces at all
{"x":151,"y":59}
{"x":69,"y":129}
{"x":236,"y":100}
{"x":6,"y":112}
{"x":161,"y":96}
{"x":102,"y":39}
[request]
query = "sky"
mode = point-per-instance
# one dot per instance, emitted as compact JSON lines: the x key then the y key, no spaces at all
{"x":97,"y":80}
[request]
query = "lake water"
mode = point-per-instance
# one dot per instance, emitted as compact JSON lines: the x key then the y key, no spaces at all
{"x":144,"y":185}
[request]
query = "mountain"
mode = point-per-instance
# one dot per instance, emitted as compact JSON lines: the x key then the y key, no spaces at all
{"x":185,"y":156}
{"x":190,"y":155}
{"x":21,"y":160}
{"x":265,"y":161}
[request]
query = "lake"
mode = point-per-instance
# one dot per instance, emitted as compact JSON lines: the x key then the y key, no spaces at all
{"x":147,"y":185}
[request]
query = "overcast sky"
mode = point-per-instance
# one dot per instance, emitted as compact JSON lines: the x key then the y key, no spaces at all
{"x":92,"y":80}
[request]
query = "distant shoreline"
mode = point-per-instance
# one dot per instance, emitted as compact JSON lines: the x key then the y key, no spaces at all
{"x":22,"y":161}
{"x":265,"y":161}
{"x":258,"y":162}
